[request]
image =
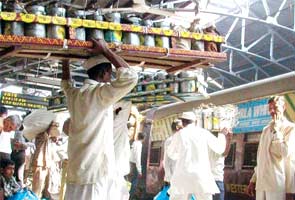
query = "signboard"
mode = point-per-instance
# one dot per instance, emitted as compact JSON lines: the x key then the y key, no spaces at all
{"x":253,"y":116}
{"x":23,"y":100}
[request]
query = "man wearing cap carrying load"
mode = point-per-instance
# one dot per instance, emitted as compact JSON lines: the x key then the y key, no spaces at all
{"x":91,"y":145}
{"x":189,"y":148}
{"x":42,"y":127}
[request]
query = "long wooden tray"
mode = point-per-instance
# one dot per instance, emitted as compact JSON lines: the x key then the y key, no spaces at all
{"x":170,"y":60}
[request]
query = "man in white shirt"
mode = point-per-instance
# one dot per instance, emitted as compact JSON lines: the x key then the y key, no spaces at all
{"x":7,"y":128}
{"x":168,"y":163}
{"x":118,"y":188}
{"x":135,"y":163}
{"x":275,"y":170}
{"x":91,"y":154}
{"x":122,"y":111}
{"x":192,"y":174}
{"x":217,"y":166}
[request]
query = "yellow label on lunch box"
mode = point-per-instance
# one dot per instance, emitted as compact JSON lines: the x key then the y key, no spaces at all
{"x":185,"y":34}
{"x":61,"y":32}
{"x":208,"y":37}
{"x":75,"y":22}
{"x":59,"y":20}
{"x":156,"y":30}
{"x":135,"y":28}
{"x":218,"y":38}
{"x":28,"y":18}
{"x":168,"y":32}
{"x":115,"y":26}
{"x":9,"y":16}
{"x":102,"y":25}
{"x":89,"y":23}
{"x":43,"y":19}
{"x":197,"y":36}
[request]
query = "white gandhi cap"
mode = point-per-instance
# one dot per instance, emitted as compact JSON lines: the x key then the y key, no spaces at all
{"x":188,"y":115}
{"x":95,"y":60}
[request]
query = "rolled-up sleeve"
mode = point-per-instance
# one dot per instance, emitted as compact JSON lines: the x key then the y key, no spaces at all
{"x":125,"y":82}
{"x":66,"y":85}
{"x":216,"y":144}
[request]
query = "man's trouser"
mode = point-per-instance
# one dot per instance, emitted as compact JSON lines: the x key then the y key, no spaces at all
{"x":96,"y":191}
{"x":263,"y":195}
{"x":133,"y":178}
{"x":219,"y":196}
{"x":39,"y":180}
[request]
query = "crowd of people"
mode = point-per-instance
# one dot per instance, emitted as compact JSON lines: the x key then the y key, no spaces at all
{"x":33,"y":149}
{"x":98,"y":153}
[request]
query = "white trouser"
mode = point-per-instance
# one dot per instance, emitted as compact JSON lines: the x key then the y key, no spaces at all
{"x":264,"y":195}
{"x":87,"y":192}
{"x":117,"y":189}
{"x":39,"y":180}
{"x":188,"y":197}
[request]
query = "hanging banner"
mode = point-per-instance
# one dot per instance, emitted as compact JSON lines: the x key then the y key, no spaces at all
{"x":253,"y":116}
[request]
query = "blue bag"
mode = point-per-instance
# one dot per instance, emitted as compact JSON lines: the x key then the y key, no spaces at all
{"x":163,"y":194}
{"x":24,"y":194}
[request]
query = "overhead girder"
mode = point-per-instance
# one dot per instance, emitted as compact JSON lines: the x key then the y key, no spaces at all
{"x":243,"y":49}
{"x":287,"y":69}
{"x":240,"y":16}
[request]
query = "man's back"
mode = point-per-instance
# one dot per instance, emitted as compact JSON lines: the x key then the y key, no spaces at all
{"x":192,"y":171}
{"x":91,"y":152}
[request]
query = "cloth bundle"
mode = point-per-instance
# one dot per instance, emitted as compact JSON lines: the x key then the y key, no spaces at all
{"x":37,"y":122}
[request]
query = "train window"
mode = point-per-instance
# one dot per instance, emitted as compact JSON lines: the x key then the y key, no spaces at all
{"x":155,"y":153}
{"x":250,"y":155}
{"x":230,"y":159}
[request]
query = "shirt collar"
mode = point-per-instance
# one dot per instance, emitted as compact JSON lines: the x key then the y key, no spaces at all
{"x":91,"y":82}
{"x":284,"y":119}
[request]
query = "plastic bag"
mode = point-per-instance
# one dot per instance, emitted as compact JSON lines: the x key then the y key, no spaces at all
{"x":37,"y":122}
{"x":163,"y":194}
{"x":24,"y":194}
